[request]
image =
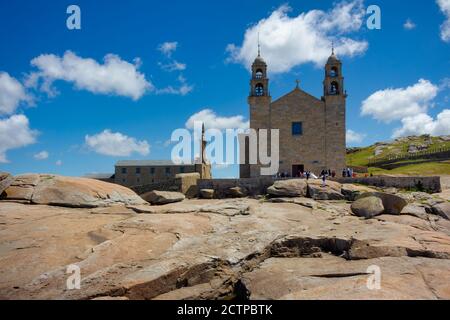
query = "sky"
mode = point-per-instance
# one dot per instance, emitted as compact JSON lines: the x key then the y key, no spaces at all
{"x":75,"y":101}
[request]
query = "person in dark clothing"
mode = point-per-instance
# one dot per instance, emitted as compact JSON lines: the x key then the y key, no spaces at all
{"x":324,"y":180}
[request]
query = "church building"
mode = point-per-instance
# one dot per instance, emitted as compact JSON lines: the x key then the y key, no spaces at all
{"x":311,"y":130}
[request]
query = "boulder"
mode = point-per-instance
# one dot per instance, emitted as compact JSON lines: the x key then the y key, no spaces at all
{"x":379,"y":150}
{"x":352,"y":191}
{"x":368,"y":207}
{"x":393,"y":204}
{"x":22,"y":188}
{"x":69,"y":192}
{"x":415,"y":210}
{"x":163,"y":197}
{"x":5,"y":181}
{"x":237,"y":192}
{"x":288,"y":188}
{"x":207,"y":193}
{"x":331,"y":191}
{"x":442,"y":209}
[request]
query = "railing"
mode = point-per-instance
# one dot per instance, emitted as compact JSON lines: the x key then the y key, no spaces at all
{"x":435,"y":153}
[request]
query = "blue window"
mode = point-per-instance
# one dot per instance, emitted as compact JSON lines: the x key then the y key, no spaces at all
{"x":182,"y":170}
{"x":152,"y":171}
{"x":167,"y":171}
{"x":138,"y":170}
{"x":124,"y":170}
{"x":297,"y":129}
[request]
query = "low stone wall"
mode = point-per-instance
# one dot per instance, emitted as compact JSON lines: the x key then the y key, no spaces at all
{"x":169,"y":185}
{"x":254,"y":186}
{"x":428,"y":184}
{"x":189,"y":185}
{"x":185,"y":183}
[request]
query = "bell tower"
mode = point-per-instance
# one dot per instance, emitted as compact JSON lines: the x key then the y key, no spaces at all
{"x":333,"y":84}
{"x":259,"y":99}
{"x":335,"y":98}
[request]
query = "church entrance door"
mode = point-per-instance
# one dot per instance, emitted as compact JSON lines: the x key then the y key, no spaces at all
{"x":297,"y":169}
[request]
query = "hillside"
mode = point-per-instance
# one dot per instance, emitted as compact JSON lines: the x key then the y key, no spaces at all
{"x":422,"y":155}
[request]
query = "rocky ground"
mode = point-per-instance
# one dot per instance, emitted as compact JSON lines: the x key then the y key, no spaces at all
{"x":270,"y":248}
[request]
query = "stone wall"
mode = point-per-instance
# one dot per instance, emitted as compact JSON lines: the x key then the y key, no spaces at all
{"x":131,"y":178}
{"x":428,"y":184}
{"x":168,"y":185}
{"x":322,"y":142}
{"x":254,"y":186}
{"x":185,"y":183}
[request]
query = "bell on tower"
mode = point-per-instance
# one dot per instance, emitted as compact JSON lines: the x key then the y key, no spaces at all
{"x":259,"y":84}
{"x":334,"y":81}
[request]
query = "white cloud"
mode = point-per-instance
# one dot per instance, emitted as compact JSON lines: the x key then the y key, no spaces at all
{"x":424,"y":124}
{"x":354,"y":137}
{"x":12,"y":93}
{"x":409,"y":25}
{"x":396,"y":104}
{"x":182,"y":90}
{"x":15,"y":133}
{"x":59,"y":163}
{"x":212,"y":120}
{"x":290,"y":41}
{"x":116,"y":144}
{"x":167,"y":143}
{"x":173,"y":66}
{"x":167,"y":48}
{"x":114,"y":76}
{"x":444,"y":5}
{"x":41,"y":155}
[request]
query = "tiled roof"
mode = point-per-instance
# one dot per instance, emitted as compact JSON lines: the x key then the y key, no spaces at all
{"x":147,"y":163}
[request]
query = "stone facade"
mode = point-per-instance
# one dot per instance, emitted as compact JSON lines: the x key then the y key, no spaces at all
{"x":161,"y":172}
{"x":312,"y":130}
{"x":141,"y":173}
{"x":137,"y":173}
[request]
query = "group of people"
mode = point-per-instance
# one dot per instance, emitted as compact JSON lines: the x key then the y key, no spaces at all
{"x":348,"y":173}
{"x":324,"y":174}
{"x":301,"y":174}
{"x":328,"y":173}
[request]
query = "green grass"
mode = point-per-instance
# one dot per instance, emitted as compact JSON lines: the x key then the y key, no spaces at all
{"x":429,"y":168}
{"x":362,"y":157}
{"x":365,"y":155}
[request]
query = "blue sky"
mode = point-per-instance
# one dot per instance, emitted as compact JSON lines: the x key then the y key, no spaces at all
{"x":397,"y":78}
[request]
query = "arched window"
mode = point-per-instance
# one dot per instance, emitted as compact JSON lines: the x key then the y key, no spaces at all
{"x":259,"y":74}
{"x":334,"y":88}
{"x":333,"y":72}
{"x":259,"y":90}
